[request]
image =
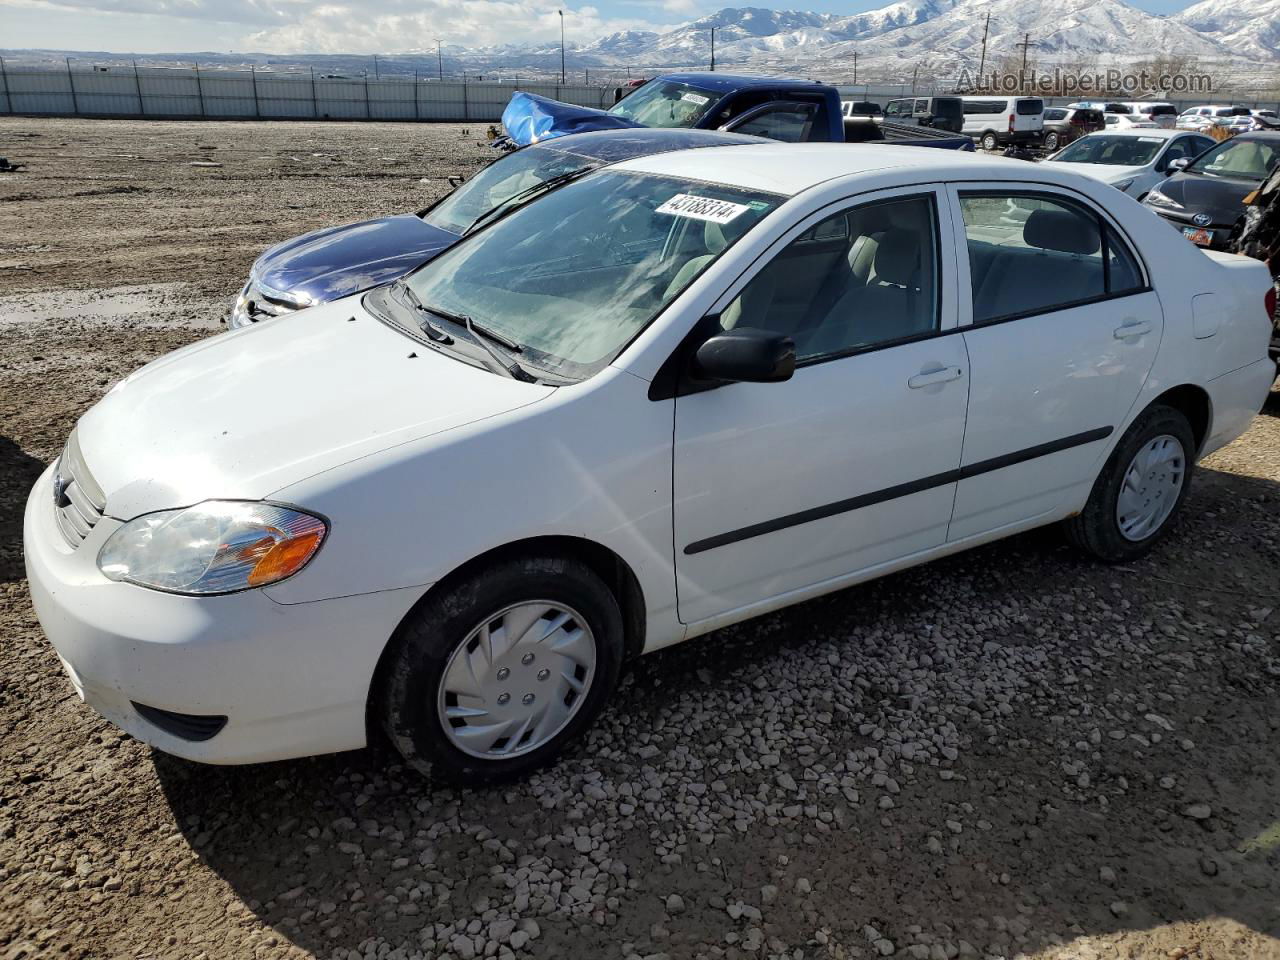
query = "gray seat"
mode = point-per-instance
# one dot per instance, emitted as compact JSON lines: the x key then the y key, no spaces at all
{"x":714,"y":241}
{"x":1058,"y":264}
{"x":881,"y":299}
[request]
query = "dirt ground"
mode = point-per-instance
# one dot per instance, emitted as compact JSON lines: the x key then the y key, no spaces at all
{"x":1010,"y":752}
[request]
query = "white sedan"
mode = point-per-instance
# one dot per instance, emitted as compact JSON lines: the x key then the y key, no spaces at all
{"x":678,"y":393}
{"x":1133,"y":160}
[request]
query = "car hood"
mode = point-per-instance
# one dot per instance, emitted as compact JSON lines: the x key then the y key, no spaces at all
{"x":336,"y":262}
{"x":243,"y":414}
{"x":1220,"y":197}
{"x":1106,"y":172}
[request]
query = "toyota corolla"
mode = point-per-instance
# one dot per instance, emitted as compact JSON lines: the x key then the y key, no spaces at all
{"x":674,"y":394}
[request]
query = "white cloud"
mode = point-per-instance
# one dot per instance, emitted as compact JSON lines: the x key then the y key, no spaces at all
{"x":376,"y":26}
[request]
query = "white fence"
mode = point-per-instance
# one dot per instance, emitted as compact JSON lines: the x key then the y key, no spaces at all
{"x":234,"y":94}
{"x":188,"y":92}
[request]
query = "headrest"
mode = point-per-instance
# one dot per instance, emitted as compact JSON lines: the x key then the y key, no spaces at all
{"x":713,"y":237}
{"x":1061,"y":230}
{"x":897,"y":258}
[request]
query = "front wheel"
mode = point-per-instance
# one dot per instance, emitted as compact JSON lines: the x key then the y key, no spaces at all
{"x":1051,"y":142}
{"x":496,"y":676}
{"x":989,"y":141}
{"x":1140,"y":489}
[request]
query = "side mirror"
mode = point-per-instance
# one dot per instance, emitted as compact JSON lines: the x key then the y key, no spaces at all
{"x":1176,"y":166}
{"x":746,"y":355}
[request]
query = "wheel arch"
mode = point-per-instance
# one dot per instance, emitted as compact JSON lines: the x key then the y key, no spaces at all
{"x":1192,"y":402}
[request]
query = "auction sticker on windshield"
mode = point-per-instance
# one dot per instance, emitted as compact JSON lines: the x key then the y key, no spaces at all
{"x":702,"y":208}
{"x":694,"y":98}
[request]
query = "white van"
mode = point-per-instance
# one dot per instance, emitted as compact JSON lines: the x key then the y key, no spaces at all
{"x":1161,"y":114}
{"x":994,"y":121}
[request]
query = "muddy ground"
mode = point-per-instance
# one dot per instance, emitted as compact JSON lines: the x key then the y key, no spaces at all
{"x":1010,"y":752}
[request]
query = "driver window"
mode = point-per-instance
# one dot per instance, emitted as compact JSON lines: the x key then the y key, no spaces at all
{"x":859,"y":278}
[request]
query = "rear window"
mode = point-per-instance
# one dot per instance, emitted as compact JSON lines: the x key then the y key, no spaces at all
{"x":972,"y":107}
{"x":1163,"y":110}
{"x":1030,"y":107}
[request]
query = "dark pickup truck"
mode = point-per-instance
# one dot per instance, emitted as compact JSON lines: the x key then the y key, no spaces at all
{"x":777,"y":108}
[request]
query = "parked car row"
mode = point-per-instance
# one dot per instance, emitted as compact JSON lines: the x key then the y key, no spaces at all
{"x":619,"y":390}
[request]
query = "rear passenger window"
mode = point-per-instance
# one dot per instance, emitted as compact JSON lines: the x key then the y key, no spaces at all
{"x":1123,"y":275}
{"x":1033,"y":253}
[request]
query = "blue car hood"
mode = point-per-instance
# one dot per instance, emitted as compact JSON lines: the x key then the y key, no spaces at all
{"x":530,"y":118}
{"x":336,"y":262}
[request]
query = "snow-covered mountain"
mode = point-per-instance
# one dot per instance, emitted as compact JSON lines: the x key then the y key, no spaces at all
{"x":947,"y":29}
{"x":1249,"y":27}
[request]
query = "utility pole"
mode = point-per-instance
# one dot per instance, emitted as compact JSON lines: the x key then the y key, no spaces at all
{"x":561,"y":12}
{"x":375,"y":66}
{"x":1026,"y":44}
{"x":982,"y":62}
{"x":713,"y":49}
{"x":855,"y":66}
{"x":914,"y":74}
{"x":439,"y":59}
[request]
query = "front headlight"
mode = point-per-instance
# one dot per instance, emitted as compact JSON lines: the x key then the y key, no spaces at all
{"x":240,"y":311}
{"x":1124,"y":184}
{"x":1157,"y":199}
{"x":218,"y":546}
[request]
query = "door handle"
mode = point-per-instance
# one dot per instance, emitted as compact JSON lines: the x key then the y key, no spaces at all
{"x":1132,"y":327}
{"x":929,"y":377}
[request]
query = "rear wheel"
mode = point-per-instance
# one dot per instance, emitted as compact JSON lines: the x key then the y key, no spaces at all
{"x":1140,"y":490}
{"x":989,"y":141}
{"x":494,"y":677}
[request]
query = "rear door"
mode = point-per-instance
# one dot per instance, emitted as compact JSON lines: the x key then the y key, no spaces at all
{"x":1062,"y":331}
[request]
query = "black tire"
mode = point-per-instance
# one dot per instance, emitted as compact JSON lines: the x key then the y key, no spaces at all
{"x":1095,"y":529}
{"x":1051,"y":141}
{"x":989,"y":141}
{"x":420,"y":651}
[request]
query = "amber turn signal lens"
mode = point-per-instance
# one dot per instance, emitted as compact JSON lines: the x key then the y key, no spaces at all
{"x":285,"y":559}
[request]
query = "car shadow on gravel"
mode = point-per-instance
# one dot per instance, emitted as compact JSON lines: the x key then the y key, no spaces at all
{"x":1039,"y":836}
{"x":18,"y":471}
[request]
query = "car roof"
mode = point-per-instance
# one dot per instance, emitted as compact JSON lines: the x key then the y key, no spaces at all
{"x":1256,"y":135}
{"x":792,"y":168}
{"x":1136,"y":132}
{"x":611,"y":146}
{"x":725,"y":82}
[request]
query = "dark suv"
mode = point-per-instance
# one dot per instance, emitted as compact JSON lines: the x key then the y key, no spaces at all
{"x":1064,"y":124}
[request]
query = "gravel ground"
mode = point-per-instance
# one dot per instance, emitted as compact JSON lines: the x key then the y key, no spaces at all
{"x":1010,"y":752}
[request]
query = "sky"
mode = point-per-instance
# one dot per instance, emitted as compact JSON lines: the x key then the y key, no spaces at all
{"x":369,"y":26}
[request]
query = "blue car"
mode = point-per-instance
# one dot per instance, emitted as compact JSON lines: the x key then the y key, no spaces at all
{"x":339,"y":261}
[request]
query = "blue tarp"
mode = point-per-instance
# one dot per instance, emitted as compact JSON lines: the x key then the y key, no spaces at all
{"x":532,"y":119}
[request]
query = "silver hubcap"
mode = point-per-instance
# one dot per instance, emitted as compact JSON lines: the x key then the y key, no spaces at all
{"x":1150,"y":489}
{"x":517,"y":680}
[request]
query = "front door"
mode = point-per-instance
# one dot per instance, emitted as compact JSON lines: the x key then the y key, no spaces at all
{"x":851,"y":463}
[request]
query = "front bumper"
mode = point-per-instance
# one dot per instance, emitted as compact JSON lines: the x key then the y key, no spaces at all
{"x":292,"y":680}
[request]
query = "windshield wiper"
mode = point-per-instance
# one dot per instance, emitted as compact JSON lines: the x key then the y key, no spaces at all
{"x":509,"y":365}
{"x":516,"y":199}
{"x":431,"y":331}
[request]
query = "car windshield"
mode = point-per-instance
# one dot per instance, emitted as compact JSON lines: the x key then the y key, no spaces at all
{"x":1239,"y":159}
{"x":516,"y":174}
{"x":665,"y":103}
{"x":571,"y":279}
{"x":1114,"y":151}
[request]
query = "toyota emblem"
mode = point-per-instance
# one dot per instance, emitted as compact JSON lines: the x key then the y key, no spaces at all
{"x":1201,"y":219}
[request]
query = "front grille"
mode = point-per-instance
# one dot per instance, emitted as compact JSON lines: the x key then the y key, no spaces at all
{"x":78,"y":501}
